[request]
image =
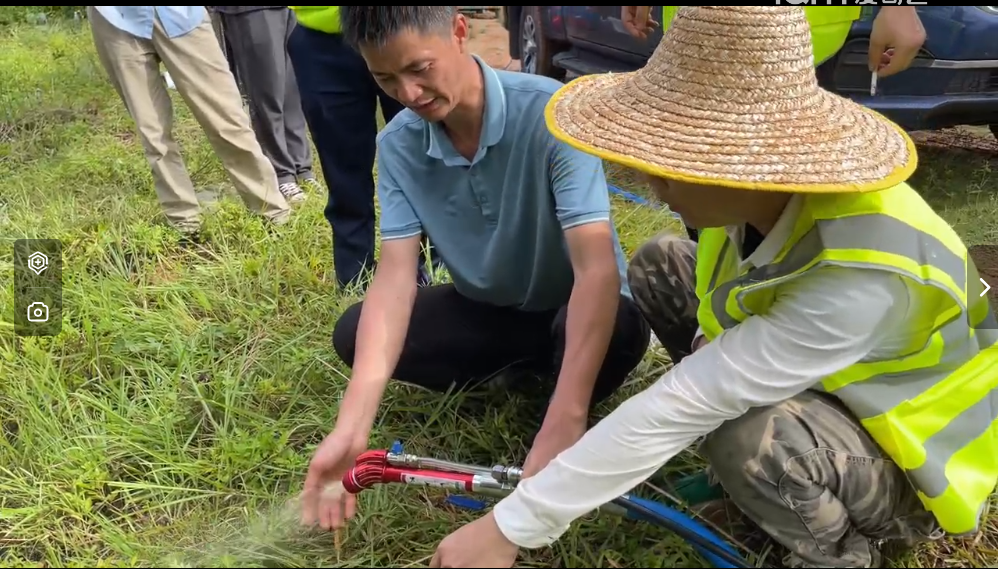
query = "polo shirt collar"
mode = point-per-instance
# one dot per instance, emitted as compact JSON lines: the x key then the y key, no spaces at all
{"x":494,"y":125}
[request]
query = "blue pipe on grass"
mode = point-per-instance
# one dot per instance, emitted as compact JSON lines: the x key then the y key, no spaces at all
{"x":631,"y":197}
{"x":634,"y":198}
{"x":677,"y":518}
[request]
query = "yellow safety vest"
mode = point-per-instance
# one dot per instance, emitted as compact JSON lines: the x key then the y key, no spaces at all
{"x":830,"y":27}
{"x":932,"y":411}
{"x":320,"y":18}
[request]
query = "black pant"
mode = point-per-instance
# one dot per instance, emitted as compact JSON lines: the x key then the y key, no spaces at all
{"x":455,"y":340}
{"x":258,"y":41}
{"x":513,"y":16}
{"x":340,"y":97}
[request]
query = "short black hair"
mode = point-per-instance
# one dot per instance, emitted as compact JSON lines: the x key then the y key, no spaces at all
{"x":378,"y":24}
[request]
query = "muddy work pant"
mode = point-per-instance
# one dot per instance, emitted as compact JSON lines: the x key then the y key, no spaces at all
{"x":804,"y":470}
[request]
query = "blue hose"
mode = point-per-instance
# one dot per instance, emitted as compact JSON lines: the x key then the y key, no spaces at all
{"x":723,"y":556}
{"x":635,"y":198}
{"x":658,"y":514}
{"x":631,"y":197}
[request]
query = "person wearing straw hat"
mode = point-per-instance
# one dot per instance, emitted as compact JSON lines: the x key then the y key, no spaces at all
{"x":895,"y":39}
{"x":844,"y":372}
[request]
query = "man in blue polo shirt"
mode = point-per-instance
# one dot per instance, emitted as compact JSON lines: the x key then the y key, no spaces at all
{"x":522,"y":223}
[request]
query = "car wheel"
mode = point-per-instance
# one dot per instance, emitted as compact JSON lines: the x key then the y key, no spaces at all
{"x":536,"y":51}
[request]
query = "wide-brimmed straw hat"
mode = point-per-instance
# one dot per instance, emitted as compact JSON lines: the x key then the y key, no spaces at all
{"x":730,"y":98}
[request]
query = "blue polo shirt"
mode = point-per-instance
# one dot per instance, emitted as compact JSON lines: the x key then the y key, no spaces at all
{"x":498,"y":220}
{"x":138,"y":20}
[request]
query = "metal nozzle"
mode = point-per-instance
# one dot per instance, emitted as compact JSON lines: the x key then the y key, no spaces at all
{"x":507,"y":474}
{"x":414,"y":461}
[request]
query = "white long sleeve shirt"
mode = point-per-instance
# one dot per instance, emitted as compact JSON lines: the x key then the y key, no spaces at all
{"x":823,"y":322}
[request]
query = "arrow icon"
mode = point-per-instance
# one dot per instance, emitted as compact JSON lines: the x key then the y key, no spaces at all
{"x":987,"y":287}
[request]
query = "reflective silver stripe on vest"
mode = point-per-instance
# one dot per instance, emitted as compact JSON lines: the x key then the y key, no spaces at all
{"x":720,"y":263}
{"x":988,"y":336}
{"x":960,"y":432}
{"x":873,"y":231}
{"x":880,"y":393}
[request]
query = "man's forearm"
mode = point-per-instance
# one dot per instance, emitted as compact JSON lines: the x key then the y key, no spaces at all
{"x":589,"y":325}
{"x":381,"y":332}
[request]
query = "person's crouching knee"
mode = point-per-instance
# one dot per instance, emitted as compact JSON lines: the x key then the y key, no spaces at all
{"x":345,"y":334}
{"x":739,"y":455}
{"x":662,"y":279}
{"x":662,"y":264}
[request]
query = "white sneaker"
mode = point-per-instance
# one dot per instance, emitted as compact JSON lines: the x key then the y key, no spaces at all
{"x":292,"y":192}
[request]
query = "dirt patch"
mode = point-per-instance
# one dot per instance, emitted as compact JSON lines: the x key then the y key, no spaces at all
{"x":490,"y":41}
{"x":36,"y":120}
{"x":974,"y":139}
{"x":986,"y":260}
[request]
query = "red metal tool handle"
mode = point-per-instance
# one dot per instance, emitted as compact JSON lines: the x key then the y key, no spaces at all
{"x":371,"y":468}
{"x":374,"y":457}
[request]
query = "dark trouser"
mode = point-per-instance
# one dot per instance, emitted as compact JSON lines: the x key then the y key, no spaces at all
{"x":455,"y":340}
{"x":513,"y":16}
{"x":804,"y":470}
{"x":340,"y":98}
{"x":258,"y":40}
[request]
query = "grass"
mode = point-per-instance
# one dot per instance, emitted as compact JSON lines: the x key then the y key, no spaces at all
{"x":176,"y":412}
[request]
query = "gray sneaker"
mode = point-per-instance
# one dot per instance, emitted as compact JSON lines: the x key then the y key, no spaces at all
{"x":310,"y":184}
{"x":292,"y":192}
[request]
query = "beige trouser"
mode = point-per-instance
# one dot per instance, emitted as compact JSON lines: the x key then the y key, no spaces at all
{"x":197,"y":65}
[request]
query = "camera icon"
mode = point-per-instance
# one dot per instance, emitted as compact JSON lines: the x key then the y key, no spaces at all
{"x":38,"y":312}
{"x":38,"y":262}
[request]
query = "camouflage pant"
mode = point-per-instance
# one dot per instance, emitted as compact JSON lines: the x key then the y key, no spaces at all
{"x":804,"y":470}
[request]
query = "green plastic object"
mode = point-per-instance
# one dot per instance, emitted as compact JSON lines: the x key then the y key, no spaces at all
{"x":696,"y":489}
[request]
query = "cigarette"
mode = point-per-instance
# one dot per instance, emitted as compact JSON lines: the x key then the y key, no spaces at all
{"x":873,"y":84}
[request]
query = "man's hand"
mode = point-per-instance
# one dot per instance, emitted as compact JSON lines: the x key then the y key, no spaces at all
{"x":478,"y":544}
{"x":323,"y":499}
{"x":900,"y":29}
{"x":637,"y":21}
{"x":555,"y":436}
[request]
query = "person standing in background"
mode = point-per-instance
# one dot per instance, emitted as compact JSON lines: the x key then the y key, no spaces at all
{"x":340,"y":98}
{"x":258,"y":37}
{"x":513,"y":16}
{"x":131,"y":43}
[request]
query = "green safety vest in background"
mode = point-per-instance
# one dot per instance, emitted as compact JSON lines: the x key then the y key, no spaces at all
{"x":319,"y":18}
{"x":829,"y":24}
{"x":830,"y":27}
{"x":933,"y":409}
